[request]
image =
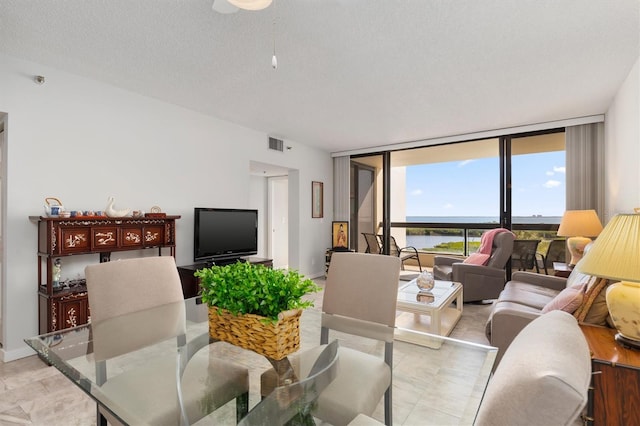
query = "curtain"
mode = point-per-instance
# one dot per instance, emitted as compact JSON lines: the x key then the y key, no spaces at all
{"x":341,"y":174}
{"x":585,"y":168}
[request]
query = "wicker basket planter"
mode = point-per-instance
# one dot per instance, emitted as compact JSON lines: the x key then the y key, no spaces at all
{"x":272,"y":339}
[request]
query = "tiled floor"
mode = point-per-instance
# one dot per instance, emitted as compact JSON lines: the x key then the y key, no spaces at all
{"x":33,"y":394}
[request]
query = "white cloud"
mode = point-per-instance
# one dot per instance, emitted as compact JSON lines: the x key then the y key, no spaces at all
{"x":550,"y":173}
{"x":465,"y":162}
{"x":559,"y":169}
{"x":551,"y":183}
{"x":448,"y":206}
{"x":416,"y":192}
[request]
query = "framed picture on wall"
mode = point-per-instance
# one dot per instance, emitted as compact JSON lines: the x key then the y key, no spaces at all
{"x":317,"y":199}
{"x":340,"y":235}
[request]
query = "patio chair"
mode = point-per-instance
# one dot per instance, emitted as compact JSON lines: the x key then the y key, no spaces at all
{"x":524,"y":256}
{"x":374,"y":246}
{"x":404,"y":253}
{"x":373,"y":243}
{"x":556,"y":252}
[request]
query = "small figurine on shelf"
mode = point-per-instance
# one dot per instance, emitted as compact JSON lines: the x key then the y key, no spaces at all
{"x":57,"y":273}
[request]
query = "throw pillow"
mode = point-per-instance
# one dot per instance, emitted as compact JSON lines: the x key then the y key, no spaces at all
{"x":477,"y":259}
{"x":576,"y":277}
{"x":593,"y":309}
{"x":567,"y":300}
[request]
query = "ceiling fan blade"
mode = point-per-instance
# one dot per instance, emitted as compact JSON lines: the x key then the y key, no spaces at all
{"x":223,"y":6}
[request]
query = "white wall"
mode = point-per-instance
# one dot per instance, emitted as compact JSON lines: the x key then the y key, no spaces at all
{"x":81,"y":141}
{"x":622,"y":148}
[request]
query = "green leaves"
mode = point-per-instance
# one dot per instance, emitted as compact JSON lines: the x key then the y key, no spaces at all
{"x":243,"y":288}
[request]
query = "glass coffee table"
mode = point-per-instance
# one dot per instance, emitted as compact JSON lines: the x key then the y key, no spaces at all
{"x":435,"y":312}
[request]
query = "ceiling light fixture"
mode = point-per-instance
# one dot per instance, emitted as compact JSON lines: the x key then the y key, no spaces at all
{"x":251,"y":4}
{"x":223,"y":6}
{"x":274,"y":59}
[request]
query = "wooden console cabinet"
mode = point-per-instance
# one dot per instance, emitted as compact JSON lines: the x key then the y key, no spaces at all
{"x":614,"y":396}
{"x":190,"y":284}
{"x":57,"y":237}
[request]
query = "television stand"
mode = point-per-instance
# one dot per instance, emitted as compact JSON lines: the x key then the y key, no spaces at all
{"x":190,"y":284}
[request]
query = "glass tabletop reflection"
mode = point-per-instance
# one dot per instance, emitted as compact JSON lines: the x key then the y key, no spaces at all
{"x":447,"y":380}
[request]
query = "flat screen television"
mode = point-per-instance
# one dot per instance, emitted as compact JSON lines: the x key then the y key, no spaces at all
{"x":224,"y":235}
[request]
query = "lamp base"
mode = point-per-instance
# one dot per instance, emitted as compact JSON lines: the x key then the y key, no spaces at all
{"x":623,"y":301}
{"x":627,"y":343}
{"x":576,"y":246}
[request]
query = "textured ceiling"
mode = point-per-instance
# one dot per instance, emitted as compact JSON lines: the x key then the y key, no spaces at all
{"x":351,"y":73}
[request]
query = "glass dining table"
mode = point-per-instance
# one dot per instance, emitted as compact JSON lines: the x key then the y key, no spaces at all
{"x":437,"y":384}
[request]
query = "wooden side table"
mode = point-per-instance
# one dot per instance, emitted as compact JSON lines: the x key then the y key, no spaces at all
{"x":562,"y":269}
{"x":614,"y":396}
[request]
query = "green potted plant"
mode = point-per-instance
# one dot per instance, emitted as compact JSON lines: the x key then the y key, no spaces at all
{"x":256,"y":307}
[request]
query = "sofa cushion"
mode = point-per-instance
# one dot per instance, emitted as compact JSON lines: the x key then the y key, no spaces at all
{"x":535,"y":384}
{"x":510,"y":315}
{"x":528,"y":295}
{"x":567,"y":300}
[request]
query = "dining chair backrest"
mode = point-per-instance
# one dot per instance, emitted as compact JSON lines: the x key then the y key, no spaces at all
{"x":124,"y":286}
{"x":125,"y":296}
{"x":362,"y":287}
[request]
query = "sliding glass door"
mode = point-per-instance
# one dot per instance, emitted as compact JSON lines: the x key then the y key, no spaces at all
{"x":441,"y":198}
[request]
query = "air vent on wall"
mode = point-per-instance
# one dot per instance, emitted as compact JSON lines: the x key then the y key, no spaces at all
{"x":276,"y":144}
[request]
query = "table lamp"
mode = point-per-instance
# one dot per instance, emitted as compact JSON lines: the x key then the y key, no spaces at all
{"x":578,"y":226}
{"x":615,"y":255}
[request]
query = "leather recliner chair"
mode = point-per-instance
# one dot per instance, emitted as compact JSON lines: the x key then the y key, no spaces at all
{"x":479,"y":282}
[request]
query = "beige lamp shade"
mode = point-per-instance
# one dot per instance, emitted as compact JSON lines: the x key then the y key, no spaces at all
{"x":251,"y":4}
{"x":616,"y":255}
{"x":578,"y":225}
{"x":616,"y":252}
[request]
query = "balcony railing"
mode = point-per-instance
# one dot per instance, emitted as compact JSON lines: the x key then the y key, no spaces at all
{"x":469,"y":234}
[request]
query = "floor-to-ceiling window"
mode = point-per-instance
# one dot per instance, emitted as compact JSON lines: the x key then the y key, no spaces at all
{"x":456,"y":183}
{"x":443,"y":197}
{"x":538,"y":186}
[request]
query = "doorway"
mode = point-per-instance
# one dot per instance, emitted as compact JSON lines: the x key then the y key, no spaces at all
{"x":3,"y":169}
{"x":278,"y":219}
{"x":364,"y":212}
{"x":272,"y":201}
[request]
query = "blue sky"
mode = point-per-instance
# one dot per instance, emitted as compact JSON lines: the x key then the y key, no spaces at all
{"x":470,"y":188}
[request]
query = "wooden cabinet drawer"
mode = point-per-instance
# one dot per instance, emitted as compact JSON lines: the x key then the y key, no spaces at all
{"x":69,"y":311}
{"x":75,"y":240}
{"x":132,"y":237}
{"x":104,"y":238}
{"x":153,"y":235}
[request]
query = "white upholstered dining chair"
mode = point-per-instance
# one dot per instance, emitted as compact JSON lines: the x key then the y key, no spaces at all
{"x":136,"y":303}
{"x":359,"y":299}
